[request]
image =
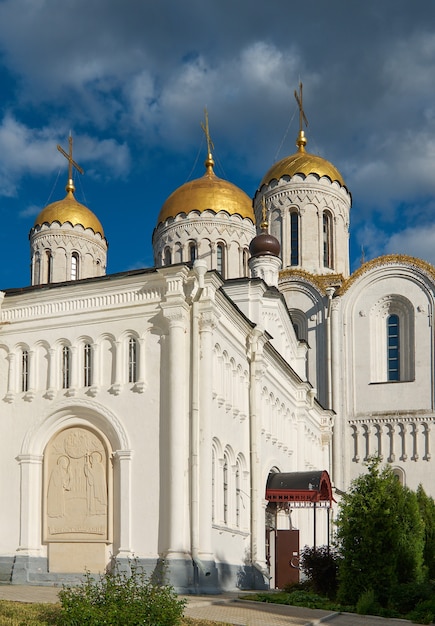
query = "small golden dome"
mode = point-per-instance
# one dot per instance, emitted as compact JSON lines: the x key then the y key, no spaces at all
{"x":302,"y":162}
{"x":207,"y":193}
{"x":69,"y":210}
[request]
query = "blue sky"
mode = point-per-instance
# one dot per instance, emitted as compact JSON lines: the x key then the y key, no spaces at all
{"x":130,"y":80}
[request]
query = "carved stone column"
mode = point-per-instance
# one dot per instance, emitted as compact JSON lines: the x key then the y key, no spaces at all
{"x":173,"y":473}
{"x":74,"y":372}
{"x":51,"y":391}
{"x":12,"y":377}
{"x":206,"y":326}
{"x":30,"y":503}
{"x":123,"y":459}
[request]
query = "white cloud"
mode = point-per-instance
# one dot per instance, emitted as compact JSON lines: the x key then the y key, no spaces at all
{"x":29,"y":151}
{"x":417,"y":242}
{"x":29,"y":211}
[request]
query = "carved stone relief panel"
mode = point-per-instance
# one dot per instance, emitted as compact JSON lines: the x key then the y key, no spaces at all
{"x":76,"y":487}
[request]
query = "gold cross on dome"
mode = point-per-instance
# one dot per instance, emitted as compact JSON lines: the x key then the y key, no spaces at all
{"x":206,"y":130}
{"x":299,"y":100}
{"x":69,"y":157}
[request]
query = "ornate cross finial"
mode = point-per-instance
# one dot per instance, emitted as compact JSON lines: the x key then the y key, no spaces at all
{"x":206,"y":130}
{"x":71,"y":163}
{"x":299,"y":100}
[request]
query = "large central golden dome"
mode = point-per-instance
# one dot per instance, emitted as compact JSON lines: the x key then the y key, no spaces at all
{"x":69,"y":210}
{"x":302,"y":162}
{"x":207,"y":193}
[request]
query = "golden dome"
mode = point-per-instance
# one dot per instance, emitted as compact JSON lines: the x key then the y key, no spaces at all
{"x":69,"y":210}
{"x":207,"y":193}
{"x":302,"y":162}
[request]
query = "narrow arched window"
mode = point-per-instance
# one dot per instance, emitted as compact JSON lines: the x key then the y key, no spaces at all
{"x":225,"y":487}
{"x":220,"y":259}
{"x":167,"y":256}
{"x":393,"y":347}
{"x":192,"y":251}
{"x":327,"y":240}
{"x":25,"y":371}
{"x":87,"y":365}
{"x":213,"y":484}
{"x":48,"y":266}
{"x":66,"y":367}
{"x":294,"y":238}
{"x":238,"y":496}
{"x":74,"y":266}
{"x":245,"y":262}
{"x":132,"y":360}
{"x":36,"y":269}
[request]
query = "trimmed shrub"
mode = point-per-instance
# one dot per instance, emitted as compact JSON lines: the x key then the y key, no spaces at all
{"x":118,"y":598}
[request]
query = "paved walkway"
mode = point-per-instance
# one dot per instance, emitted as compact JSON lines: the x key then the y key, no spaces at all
{"x":227,"y":608}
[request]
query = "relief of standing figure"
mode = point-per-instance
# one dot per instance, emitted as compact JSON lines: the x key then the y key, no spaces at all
{"x":96,"y":484}
{"x":59,"y":483}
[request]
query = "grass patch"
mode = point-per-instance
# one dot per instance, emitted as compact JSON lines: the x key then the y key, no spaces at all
{"x":28,"y":614}
{"x":37,"y":614}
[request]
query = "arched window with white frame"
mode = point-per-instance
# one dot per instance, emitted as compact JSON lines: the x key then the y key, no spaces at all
{"x":327,"y":240}
{"x":66,"y":367}
{"x":294,"y":238}
{"x":48,"y":266}
{"x":393,"y":347}
{"x":87,"y":365}
{"x":220,"y":259}
{"x":225,"y":484}
{"x":132,"y":360}
{"x":213,"y":484}
{"x":193,"y":251}
{"x":74,"y":266}
{"x":245,"y":262}
{"x":167,"y":257}
{"x":25,"y":362}
{"x":238,"y":495}
{"x":392,"y":340}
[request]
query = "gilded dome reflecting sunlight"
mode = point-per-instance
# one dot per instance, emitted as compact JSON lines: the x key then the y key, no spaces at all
{"x":69,"y":210}
{"x":302,"y":162}
{"x":207,"y":193}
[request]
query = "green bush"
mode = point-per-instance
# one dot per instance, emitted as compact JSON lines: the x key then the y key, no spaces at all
{"x":119,"y":598}
{"x":380,"y":535}
{"x":406,"y":597}
{"x":424,"y":612}
{"x":367,"y":604}
{"x":320,"y":566}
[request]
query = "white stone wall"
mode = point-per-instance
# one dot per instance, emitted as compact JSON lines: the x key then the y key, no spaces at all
{"x":307,"y":308}
{"x":309,"y":197}
{"x":62,"y":242}
{"x":206,"y":231}
{"x":209,"y":389}
{"x":392,"y":419}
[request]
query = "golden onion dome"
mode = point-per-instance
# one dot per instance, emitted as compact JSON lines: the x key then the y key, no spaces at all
{"x":302,"y":162}
{"x":207,"y":193}
{"x":69,"y":210}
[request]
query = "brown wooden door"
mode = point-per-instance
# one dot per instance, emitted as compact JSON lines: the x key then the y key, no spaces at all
{"x":286,"y":553}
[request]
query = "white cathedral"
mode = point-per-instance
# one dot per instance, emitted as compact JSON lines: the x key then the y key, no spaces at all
{"x":204,"y":416}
